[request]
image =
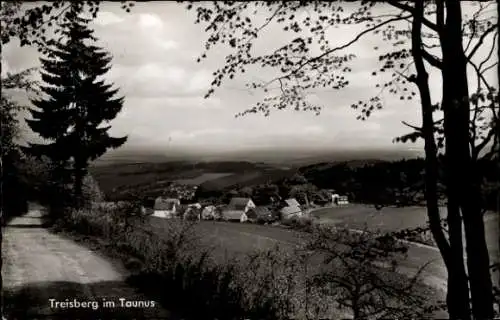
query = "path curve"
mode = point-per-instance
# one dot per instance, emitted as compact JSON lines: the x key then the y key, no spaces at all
{"x":41,"y":268}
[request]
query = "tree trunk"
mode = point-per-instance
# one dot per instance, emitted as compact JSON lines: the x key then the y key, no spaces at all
{"x":462,"y":188}
{"x":1,"y":240}
{"x":498,"y":121}
{"x":458,"y":291}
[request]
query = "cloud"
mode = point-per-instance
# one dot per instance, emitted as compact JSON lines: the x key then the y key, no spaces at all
{"x":5,"y":68}
{"x":105,"y":18}
{"x":150,"y":22}
{"x":314,"y":130}
{"x":194,"y":103}
{"x":168,"y":44}
{"x":154,"y":50}
{"x":180,"y":134}
{"x":161,"y":80}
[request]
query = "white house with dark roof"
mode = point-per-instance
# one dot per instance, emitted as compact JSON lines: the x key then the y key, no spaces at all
{"x":290,"y":208}
{"x":237,"y":209}
{"x":339,"y":200}
{"x":166,"y":207}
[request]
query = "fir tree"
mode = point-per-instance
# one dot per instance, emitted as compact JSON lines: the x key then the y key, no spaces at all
{"x":79,"y":105}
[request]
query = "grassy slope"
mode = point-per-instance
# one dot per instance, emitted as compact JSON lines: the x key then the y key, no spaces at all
{"x":230,"y":240}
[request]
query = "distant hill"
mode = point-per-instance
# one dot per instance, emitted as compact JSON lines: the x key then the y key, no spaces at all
{"x":350,"y":164}
{"x":285,"y":157}
{"x":121,"y":178}
{"x":129,"y":170}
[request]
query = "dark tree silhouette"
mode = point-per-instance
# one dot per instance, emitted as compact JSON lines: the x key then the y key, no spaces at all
{"x":78,"y":103}
{"x":13,"y":189}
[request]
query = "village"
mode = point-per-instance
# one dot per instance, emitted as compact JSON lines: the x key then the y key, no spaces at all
{"x":250,"y":160}
{"x":238,"y":209}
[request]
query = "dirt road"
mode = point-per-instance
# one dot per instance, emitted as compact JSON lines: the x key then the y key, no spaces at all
{"x":45,"y":274}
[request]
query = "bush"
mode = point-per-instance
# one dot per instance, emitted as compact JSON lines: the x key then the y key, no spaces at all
{"x":361,"y":273}
{"x":270,"y":284}
{"x":303,"y":223}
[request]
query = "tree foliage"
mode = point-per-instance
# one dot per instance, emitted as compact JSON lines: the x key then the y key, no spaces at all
{"x":78,"y":102}
{"x":12,"y":159}
{"x":417,"y":36}
{"x":310,"y":61}
{"x":40,"y":25}
{"x":356,"y":270}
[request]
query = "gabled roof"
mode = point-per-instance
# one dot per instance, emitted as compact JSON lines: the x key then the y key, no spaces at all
{"x":238,"y":203}
{"x":165,"y":204}
{"x":290,"y":210}
{"x":292,"y":202}
{"x":260,"y":211}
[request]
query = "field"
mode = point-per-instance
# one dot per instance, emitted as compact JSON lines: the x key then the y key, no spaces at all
{"x":204,"y":177}
{"x":149,"y":177}
{"x":247,"y":179}
{"x":389,"y":219}
{"x":234,"y":239}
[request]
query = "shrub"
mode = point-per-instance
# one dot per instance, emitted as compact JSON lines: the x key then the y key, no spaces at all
{"x":361,"y":275}
{"x":269,"y":284}
{"x":304,"y":223}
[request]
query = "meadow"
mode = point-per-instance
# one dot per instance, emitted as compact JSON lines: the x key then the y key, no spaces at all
{"x":204,"y":177}
{"x":393,"y":219}
{"x":215,"y":270}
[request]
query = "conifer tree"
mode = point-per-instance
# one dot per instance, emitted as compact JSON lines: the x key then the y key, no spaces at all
{"x":75,"y":114}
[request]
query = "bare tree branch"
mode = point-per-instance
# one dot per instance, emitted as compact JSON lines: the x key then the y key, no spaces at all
{"x":359,"y":36}
{"x":474,"y":21}
{"x":487,"y":58}
{"x":419,"y":129}
{"x":433,"y":60}
{"x":481,"y":40}
{"x":489,"y":67}
{"x":410,"y":9}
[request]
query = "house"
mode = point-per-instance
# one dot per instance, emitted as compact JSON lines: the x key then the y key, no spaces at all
{"x":335,"y":198}
{"x":260,"y":214}
{"x":241,"y":204}
{"x":166,"y":207}
{"x":339,"y":200}
{"x":290,"y":211}
{"x":234,"y":215}
{"x":209,"y":213}
{"x":237,"y":209}
{"x":343,"y":200}
{"x":292,"y":202}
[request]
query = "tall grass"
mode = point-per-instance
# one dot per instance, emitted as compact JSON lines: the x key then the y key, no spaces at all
{"x":177,"y":268}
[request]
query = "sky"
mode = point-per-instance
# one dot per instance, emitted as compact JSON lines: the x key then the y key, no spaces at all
{"x":154,"y":51}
